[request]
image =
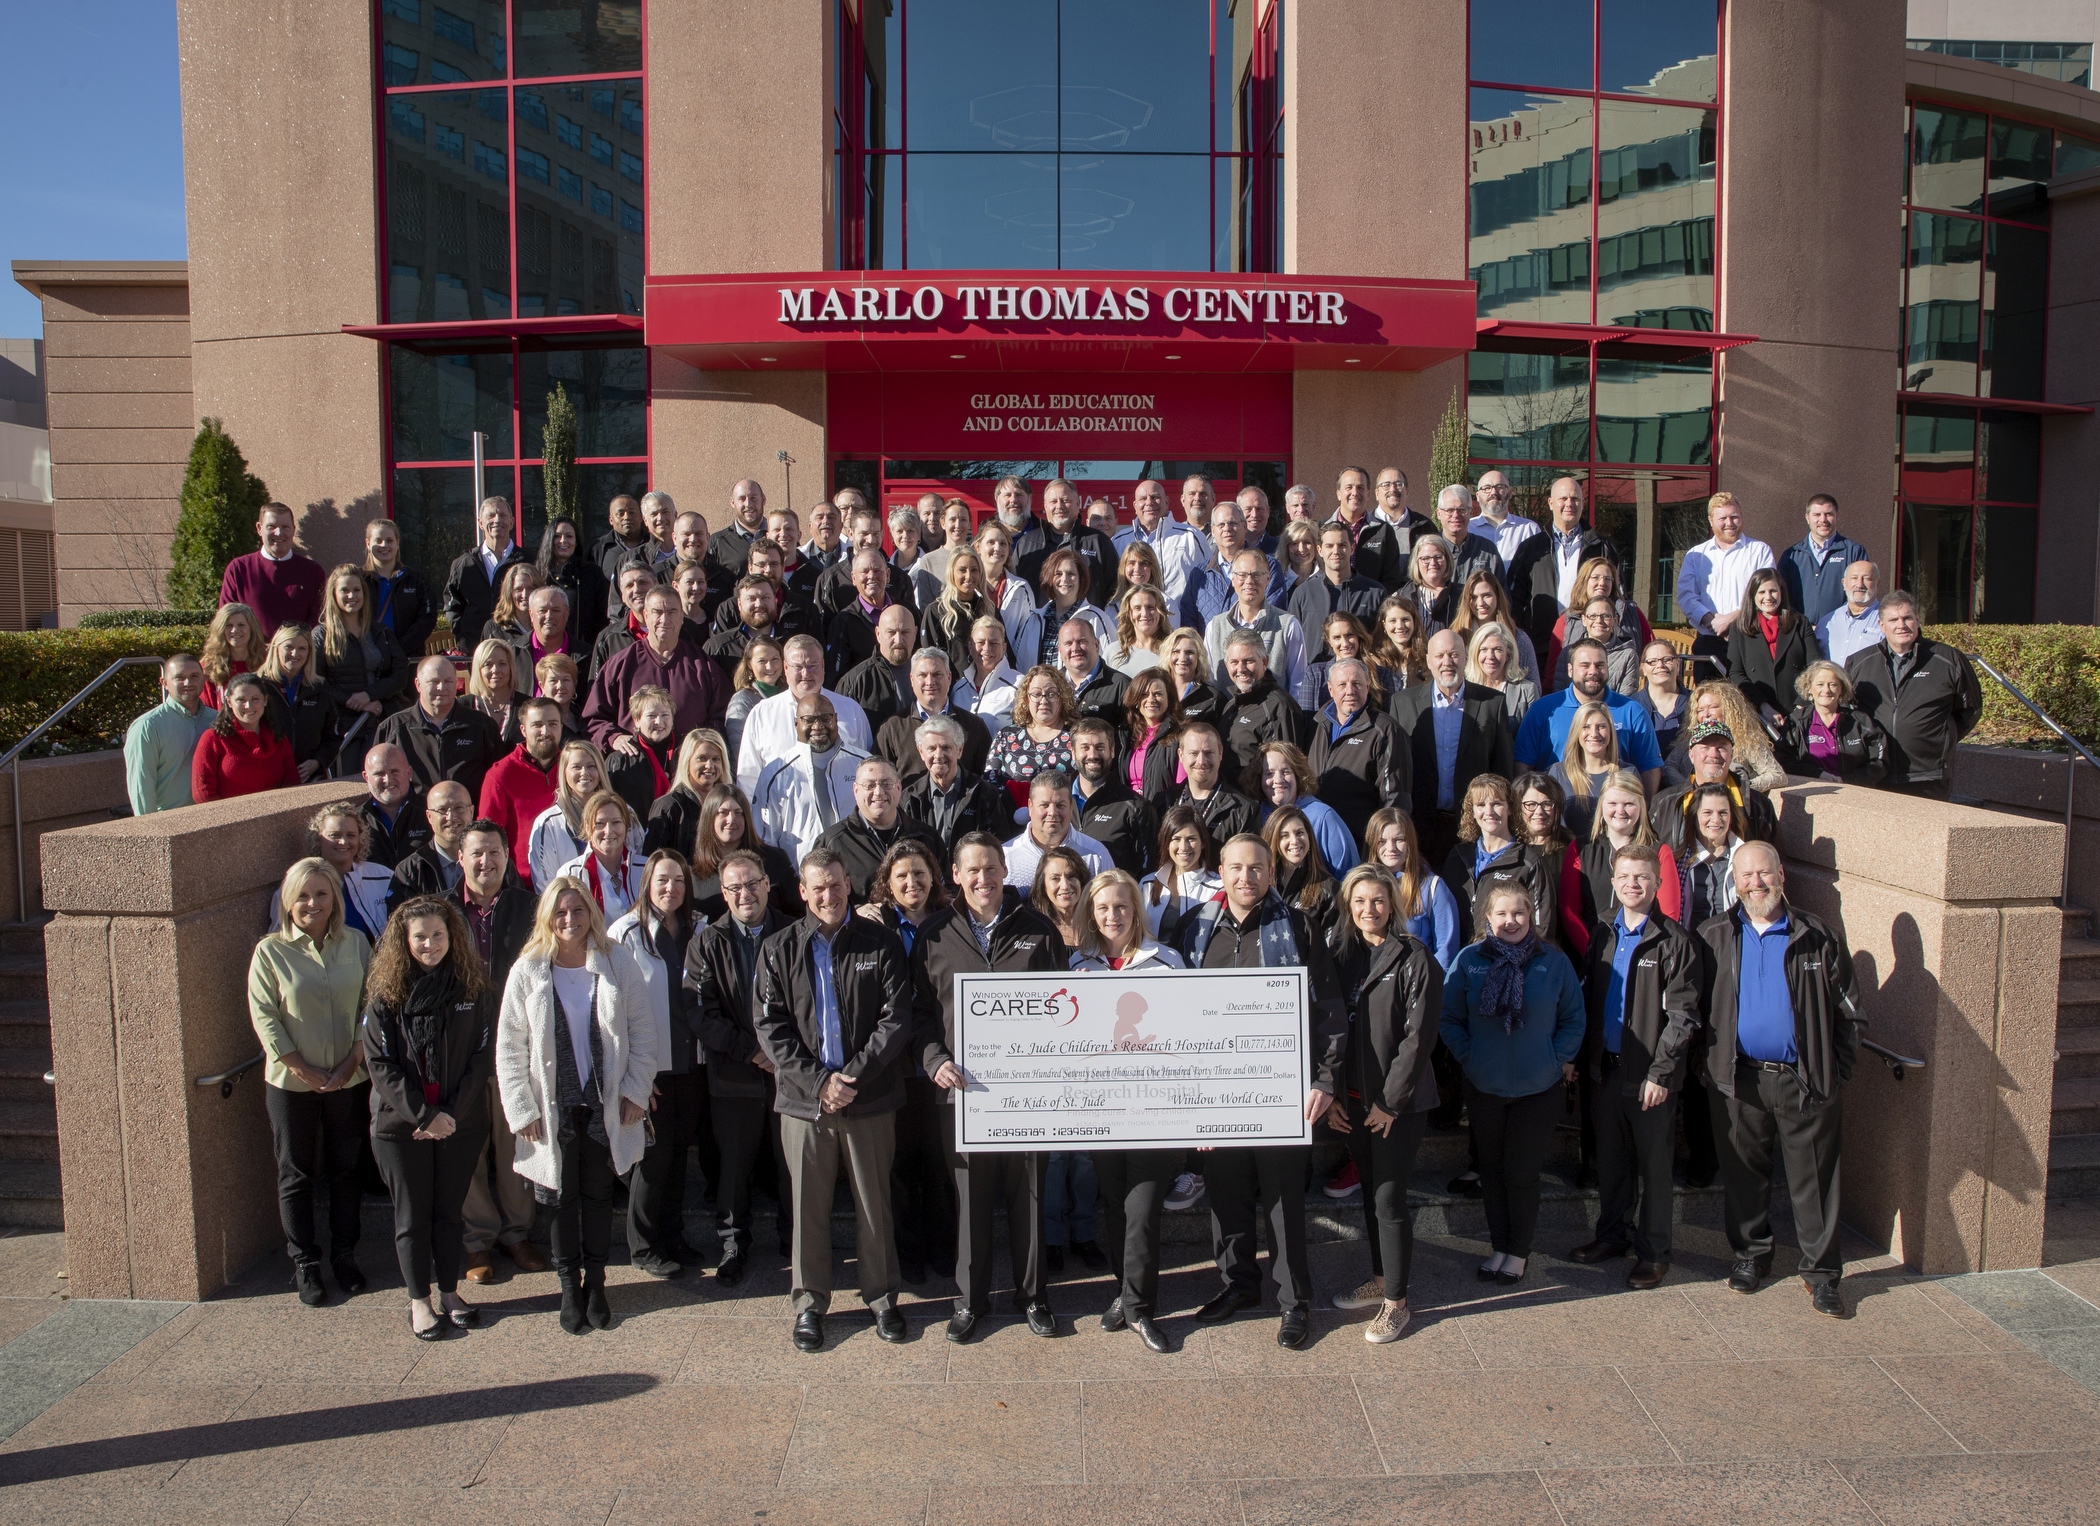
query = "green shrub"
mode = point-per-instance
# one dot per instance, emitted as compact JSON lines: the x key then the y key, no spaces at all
{"x":144,"y":619}
{"x":2056,"y":666}
{"x":1447,"y":449}
{"x":221,"y":500}
{"x":41,"y":670}
{"x":558,"y":451}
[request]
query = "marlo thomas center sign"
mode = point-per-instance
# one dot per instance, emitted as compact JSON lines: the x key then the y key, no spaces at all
{"x":863,"y":306}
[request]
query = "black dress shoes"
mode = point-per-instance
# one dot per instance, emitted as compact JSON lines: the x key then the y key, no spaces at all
{"x":1090,"y":1255}
{"x":1749,"y":1272}
{"x":1154,"y":1338}
{"x":809,"y":1331}
{"x":1827,"y":1299}
{"x":1647,"y":1274}
{"x":731,"y":1271}
{"x":1040,"y":1320}
{"x":889,"y":1324}
{"x":1227,"y":1304}
{"x":1112,"y":1318}
{"x":1596,"y":1251}
{"x":962,"y":1324}
{"x":1295,"y":1329}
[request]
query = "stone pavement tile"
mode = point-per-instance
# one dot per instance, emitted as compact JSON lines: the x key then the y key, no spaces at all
{"x":1570,"y":1417}
{"x":1720,"y":1411}
{"x":2001,"y":1403}
{"x":1009,"y":1352}
{"x":2076,"y":1352}
{"x":1265,"y":1427}
{"x":1805,"y":1493}
{"x":1778,"y":1323}
{"x":728,"y":1503}
{"x":1205,"y":1503}
{"x":517,"y":1348}
{"x":1987,"y":1332}
{"x":253,"y":1502}
{"x":662,"y":1435}
{"x":2080,"y":1277}
{"x":2025,"y":1301}
{"x":485,"y":1504}
{"x":239,"y":1343}
{"x":133,"y":1365}
{"x":33,"y":1263}
{"x":1970,"y":1490}
{"x":958,"y":1433}
{"x":1453,"y":1499}
{"x":361,"y":1434}
{"x":19,"y":1314}
{"x":119,"y":1438}
{"x":1433,"y":1342}
{"x":1655,"y":1326}
{"x":762,"y":1351}
{"x":56,"y":1355}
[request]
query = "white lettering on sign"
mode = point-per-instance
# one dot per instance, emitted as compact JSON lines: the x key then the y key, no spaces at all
{"x":1063,"y":413}
{"x":1207,"y":306}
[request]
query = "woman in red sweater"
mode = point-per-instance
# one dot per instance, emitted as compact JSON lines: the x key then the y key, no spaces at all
{"x":241,"y":755}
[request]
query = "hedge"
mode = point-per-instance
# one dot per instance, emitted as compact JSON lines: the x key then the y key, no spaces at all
{"x":41,"y":670}
{"x":2056,"y":666}
{"x":144,"y":619}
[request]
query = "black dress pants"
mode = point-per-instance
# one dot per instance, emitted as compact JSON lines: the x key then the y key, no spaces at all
{"x":580,"y":1233}
{"x":1243,"y":1182}
{"x":922,"y":1187}
{"x":1134,"y":1186}
{"x":1383,"y":1164}
{"x":1702,"y":1126}
{"x":747,"y":1133}
{"x":1636,"y":1191}
{"x":324,"y":1133}
{"x":981,"y":1180}
{"x":1768,"y":1113}
{"x":1510,"y":1136}
{"x":428,"y":1181}
{"x":656,"y":1194}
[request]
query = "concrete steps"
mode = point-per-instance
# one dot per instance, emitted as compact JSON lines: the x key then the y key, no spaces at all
{"x":29,"y":1182}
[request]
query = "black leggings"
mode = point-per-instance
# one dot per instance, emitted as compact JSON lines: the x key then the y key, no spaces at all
{"x":309,"y":1128}
{"x":428,"y":1179}
{"x":1510,"y":1138}
{"x":1384,"y":1162}
{"x":581,"y":1231}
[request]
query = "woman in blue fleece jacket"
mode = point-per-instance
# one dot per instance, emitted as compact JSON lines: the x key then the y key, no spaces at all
{"x":1514,"y":1018}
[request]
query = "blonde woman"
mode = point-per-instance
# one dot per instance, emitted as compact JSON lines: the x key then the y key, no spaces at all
{"x":1484,"y":603}
{"x":1012,"y":600}
{"x":492,"y":687}
{"x":575,"y":1065}
{"x":1137,"y":567}
{"x":1491,"y":662}
{"x":1597,"y":578}
{"x":987,"y":685}
{"x":233,"y":643}
{"x":301,"y":709}
{"x":963,"y":602}
{"x":1622,"y":822}
{"x":1756,"y":763}
{"x":356,"y":657}
{"x":510,"y":623}
{"x":1586,"y":765}
{"x":557,"y":832}
{"x":760,"y":674}
{"x":1187,"y":660}
{"x":306,"y":980}
{"x":612,"y":863}
{"x":703,"y":762}
{"x":1142,"y":627}
{"x":1299,"y":547}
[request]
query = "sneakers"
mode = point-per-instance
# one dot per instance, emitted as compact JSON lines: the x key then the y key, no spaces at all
{"x":1366,"y":1295}
{"x":1389,"y":1324}
{"x":1346,"y":1183}
{"x":1187,"y":1193}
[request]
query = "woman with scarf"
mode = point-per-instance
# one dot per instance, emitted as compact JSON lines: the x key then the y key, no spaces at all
{"x":557,"y":834}
{"x":1769,"y":648}
{"x":1513,"y":1017}
{"x":576,"y":1065}
{"x":644,"y":777}
{"x":610,"y":866}
{"x":703,"y":762}
{"x":760,"y":674}
{"x":429,"y":1045}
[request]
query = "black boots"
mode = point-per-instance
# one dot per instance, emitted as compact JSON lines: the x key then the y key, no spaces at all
{"x":596,"y":1309}
{"x":572,"y":1300}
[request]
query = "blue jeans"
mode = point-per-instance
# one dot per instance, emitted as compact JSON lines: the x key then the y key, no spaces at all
{"x":1071,"y":1199}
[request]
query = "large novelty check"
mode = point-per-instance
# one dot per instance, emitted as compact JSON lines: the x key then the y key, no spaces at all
{"x":1080,"y":1062}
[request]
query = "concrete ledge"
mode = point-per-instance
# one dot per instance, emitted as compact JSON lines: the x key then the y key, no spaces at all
{"x":1949,"y":852}
{"x":57,"y":793}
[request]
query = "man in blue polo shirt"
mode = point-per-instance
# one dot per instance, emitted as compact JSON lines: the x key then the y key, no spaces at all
{"x":1544,"y":734}
{"x":1783,"y":1008}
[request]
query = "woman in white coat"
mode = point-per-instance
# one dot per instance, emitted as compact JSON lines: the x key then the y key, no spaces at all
{"x":611,"y":865}
{"x":575,"y":1065}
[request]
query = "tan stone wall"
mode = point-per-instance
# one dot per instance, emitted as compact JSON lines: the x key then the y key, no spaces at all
{"x":711,"y":429}
{"x":1384,"y":419}
{"x":56,"y":793}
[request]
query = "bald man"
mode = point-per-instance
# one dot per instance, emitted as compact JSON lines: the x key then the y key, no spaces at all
{"x":435,"y":868}
{"x":732,"y":543}
{"x":881,"y":682}
{"x":395,"y":825}
{"x":443,"y":738}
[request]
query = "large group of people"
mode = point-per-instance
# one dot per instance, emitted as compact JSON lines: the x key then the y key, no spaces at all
{"x":688,"y":857}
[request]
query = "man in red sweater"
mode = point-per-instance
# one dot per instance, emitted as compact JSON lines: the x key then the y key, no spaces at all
{"x":280,"y":585}
{"x":517,"y":789}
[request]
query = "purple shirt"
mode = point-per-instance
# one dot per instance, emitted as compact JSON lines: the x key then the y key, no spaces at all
{"x":699,"y":692}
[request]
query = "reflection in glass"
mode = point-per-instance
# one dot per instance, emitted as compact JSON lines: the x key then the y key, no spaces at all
{"x":1525,"y":407}
{"x":1546,"y":43}
{"x":448,"y":207}
{"x":2074,"y":156}
{"x":1943,"y":331}
{"x":2021,"y":157}
{"x":2007,"y":543}
{"x":1134,"y":78}
{"x":578,"y":37}
{"x":1946,"y":158}
{"x":607,"y":384}
{"x":597,"y":484}
{"x":982,"y":211}
{"x":1529,"y":205}
{"x":1939,"y":456}
{"x":434,"y":512}
{"x":422,"y":43}
{"x":438,"y":399}
{"x":1653,"y":518}
{"x":580,"y":199}
{"x":1664,"y":48}
{"x":2010,"y":461}
{"x":1655,"y":216}
{"x":985,"y":73}
{"x":1655,"y":406}
{"x":1135,"y":212}
{"x":1935,"y":561}
{"x":2015,"y":289}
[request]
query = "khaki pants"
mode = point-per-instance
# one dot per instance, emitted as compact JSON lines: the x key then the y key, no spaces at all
{"x":499,"y":1201}
{"x":815,"y":1150}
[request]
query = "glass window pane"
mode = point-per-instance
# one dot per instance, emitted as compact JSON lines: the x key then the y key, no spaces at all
{"x":982,"y":74}
{"x":2074,"y":156}
{"x":1533,"y":42}
{"x":1528,"y":407}
{"x":1653,"y":518}
{"x":426,"y":44}
{"x":1529,"y":218}
{"x":578,"y":37}
{"x":1946,"y":158}
{"x":2021,"y":156}
{"x":1660,"y":47}
{"x":2006,"y":547}
{"x":2010,"y":462}
{"x":982,"y":211}
{"x":1943,"y":334}
{"x":580,"y":199}
{"x":1655,"y":407}
{"x":1655,"y":216}
{"x":597,"y":485}
{"x":1939,"y":456}
{"x":2015,"y":289}
{"x":1135,"y":212}
{"x":886,"y":239}
{"x":448,"y":207}
{"x":885,"y":47}
{"x":607,"y":384}
{"x":434,"y":511}
{"x":439,"y":398}
{"x":1222,"y":64}
{"x":1134,"y":78}
{"x":1935,"y":561}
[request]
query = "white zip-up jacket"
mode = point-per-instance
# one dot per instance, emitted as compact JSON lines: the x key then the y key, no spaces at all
{"x":531,"y":1024}
{"x":785,"y":801}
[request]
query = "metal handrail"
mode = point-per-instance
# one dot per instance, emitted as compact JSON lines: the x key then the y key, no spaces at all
{"x":1898,"y":1063}
{"x":225,"y":1079}
{"x":2074,"y":750}
{"x":12,"y":761}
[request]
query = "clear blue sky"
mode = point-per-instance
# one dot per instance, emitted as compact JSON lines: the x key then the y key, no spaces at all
{"x":91,"y":115}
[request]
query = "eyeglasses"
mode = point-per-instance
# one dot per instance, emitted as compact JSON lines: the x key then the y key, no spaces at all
{"x":744,"y":887}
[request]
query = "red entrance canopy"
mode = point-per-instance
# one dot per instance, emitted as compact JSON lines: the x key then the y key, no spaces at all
{"x":1034,"y":321}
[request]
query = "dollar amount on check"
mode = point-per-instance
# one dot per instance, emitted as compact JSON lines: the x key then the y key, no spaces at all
{"x":1108,"y":1061}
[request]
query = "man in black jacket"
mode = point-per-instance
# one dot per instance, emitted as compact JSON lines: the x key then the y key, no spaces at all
{"x":1063,"y":527}
{"x":1096,"y":687}
{"x":625,"y":536}
{"x":1257,"y":708}
{"x":1106,"y":807}
{"x":1922,"y":693}
{"x":731,"y":545}
{"x":1360,"y":760}
{"x":1377,"y":554}
{"x":1547,"y":563}
{"x":839,"y":585}
{"x":835,"y":1018}
{"x":1710,"y":748}
{"x":395,"y":825}
{"x":1642,"y":981}
{"x":861,"y":839}
{"x":1224,"y":811}
{"x":436,"y":867}
{"x":499,"y":913}
{"x":1455,"y":731}
{"x":880,"y":681}
{"x":1334,"y":587}
{"x":1242,"y":933}
{"x":932,"y":680}
{"x":945,"y":799}
{"x":987,"y":928}
{"x":470,"y":585}
{"x":721,"y":973}
{"x":1783,"y":1010}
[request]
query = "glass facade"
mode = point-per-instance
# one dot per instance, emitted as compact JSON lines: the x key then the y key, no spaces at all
{"x":1087,"y":135}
